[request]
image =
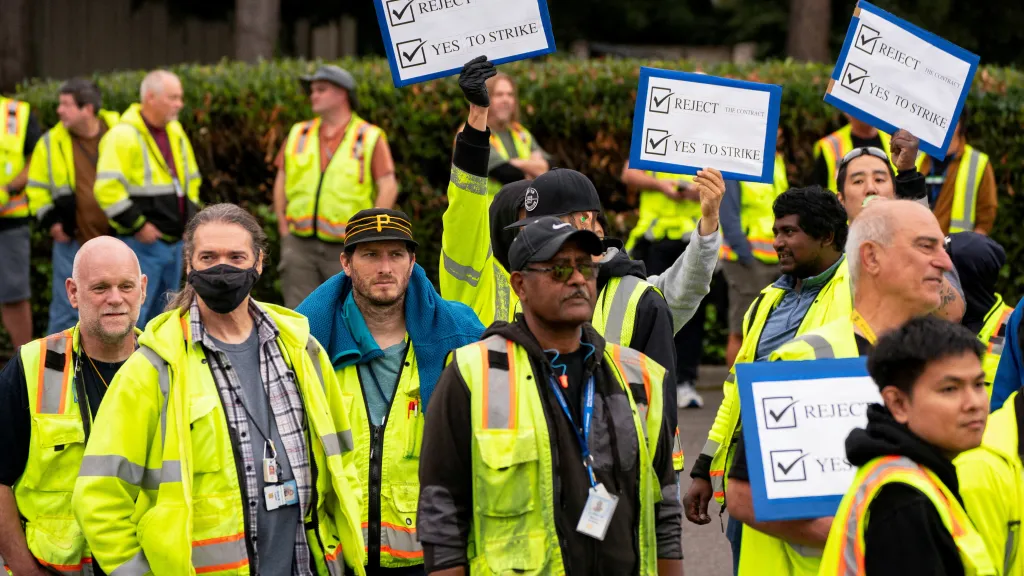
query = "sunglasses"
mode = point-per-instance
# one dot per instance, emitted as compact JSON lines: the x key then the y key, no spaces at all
{"x":865,"y":151}
{"x":562,"y":272}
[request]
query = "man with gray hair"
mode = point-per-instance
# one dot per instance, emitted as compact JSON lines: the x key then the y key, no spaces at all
{"x":49,"y":394}
{"x":147,"y":183}
{"x":897,"y":259}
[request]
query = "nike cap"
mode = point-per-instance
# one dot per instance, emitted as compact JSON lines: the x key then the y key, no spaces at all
{"x":544,"y":237}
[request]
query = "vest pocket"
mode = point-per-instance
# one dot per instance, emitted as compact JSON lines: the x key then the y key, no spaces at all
{"x":55,"y":540}
{"x":61,"y":441}
{"x":206,"y":432}
{"x":505,"y":486}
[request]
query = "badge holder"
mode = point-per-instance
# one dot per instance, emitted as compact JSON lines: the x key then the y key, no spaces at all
{"x":597,"y":513}
{"x":276,"y":495}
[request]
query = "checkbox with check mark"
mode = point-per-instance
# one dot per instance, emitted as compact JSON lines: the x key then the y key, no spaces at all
{"x":401,"y":12}
{"x":660,"y":100}
{"x":867,"y":38}
{"x":656,"y":142}
{"x":853,"y":78}
{"x":788,"y":465}
{"x":411,"y":53}
{"x":779,"y":412}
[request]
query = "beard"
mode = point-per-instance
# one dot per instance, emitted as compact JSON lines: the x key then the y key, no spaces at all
{"x":364,"y":290}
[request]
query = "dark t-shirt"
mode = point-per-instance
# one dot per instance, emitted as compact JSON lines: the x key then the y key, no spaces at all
{"x":573,"y":363}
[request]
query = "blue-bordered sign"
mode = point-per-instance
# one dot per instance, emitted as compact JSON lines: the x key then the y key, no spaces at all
{"x":684,"y":122}
{"x":427,"y":39}
{"x":796,"y":417}
{"x":892,"y":74}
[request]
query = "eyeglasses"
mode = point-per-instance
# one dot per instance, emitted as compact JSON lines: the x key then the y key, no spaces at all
{"x":864,"y":151}
{"x":562,"y":272}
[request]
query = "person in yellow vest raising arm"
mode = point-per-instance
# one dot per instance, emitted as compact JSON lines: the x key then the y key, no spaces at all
{"x":387,"y":332}
{"x":218,"y":449}
{"x":557,"y":458}
{"x":49,"y":396}
{"x":19,"y":132}
{"x":147,"y":183}
{"x":328,"y":169}
{"x":749,"y":259}
{"x":60,"y":186}
{"x":904,"y":513}
{"x":896,"y":260}
{"x":830,"y":150}
{"x":515,"y":153}
{"x":962,"y":187}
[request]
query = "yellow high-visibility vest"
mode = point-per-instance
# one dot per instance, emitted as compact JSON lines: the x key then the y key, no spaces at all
{"x":13,"y":130}
{"x":757,"y":217}
{"x":992,"y":335}
{"x":523,"y":142}
{"x":662,"y":217}
{"x":838,"y":144}
{"x":969,"y":174}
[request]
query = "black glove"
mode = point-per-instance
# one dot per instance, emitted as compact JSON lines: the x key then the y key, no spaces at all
{"x":473,"y":80}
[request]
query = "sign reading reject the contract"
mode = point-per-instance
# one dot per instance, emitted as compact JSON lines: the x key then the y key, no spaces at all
{"x":892,"y":74}
{"x":796,"y":417}
{"x":684,"y":122}
{"x":428,"y":39}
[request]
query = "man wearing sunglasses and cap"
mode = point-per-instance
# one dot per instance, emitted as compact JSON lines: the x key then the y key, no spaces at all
{"x":557,"y":455}
{"x":387,"y":333}
{"x":329,"y":168}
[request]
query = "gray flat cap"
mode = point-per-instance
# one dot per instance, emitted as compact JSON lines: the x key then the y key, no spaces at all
{"x":335,"y":75}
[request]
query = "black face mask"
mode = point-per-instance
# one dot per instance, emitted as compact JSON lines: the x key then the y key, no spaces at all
{"x":223,"y":287}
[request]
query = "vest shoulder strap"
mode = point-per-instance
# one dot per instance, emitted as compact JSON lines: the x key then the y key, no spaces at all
{"x":48,"y":391}
{"x":498,"y":385}
{"x":820,"y":345}
{"x":313,"y":351}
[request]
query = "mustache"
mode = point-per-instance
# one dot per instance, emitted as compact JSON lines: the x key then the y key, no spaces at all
{"x":581,"y":292}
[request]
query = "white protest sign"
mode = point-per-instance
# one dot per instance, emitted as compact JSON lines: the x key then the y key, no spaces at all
{"x":796,"y":418}
{"x":428,"y":39}
{"x":685,"y":122}
{"x":892,"y":74}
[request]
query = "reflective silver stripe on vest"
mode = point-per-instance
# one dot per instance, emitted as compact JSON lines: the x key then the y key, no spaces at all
{"x":996,"y":343}
{"x":303,"y":136}
{"x":313,"y":351}
{"x":400,"y":540}
{"x":502,"y":293}
{"x":630,"y":361}
{"x":731,"y":378}
{"x":117,"y":208}
{"x":219,"y":554}
{"x":710,"y":448}
{"x":616,"y":313}
{"x":460,"y":272}
{"x":848,"y":563}
{"x":336,"y":444}
{"x":55,"y":191}
{"x":1011,"y":540}
{"x":83,"y":569}
{"x":53,"y":379}
{"x":499,"y":387}
{"x":184,"y":168}
{"x":164,"y":376}
{"x":468,"y":182}
{"x":819,"y":345}
{"x":967,"y":222}
{"x":336,"y":561}
{"x":115,"y":466}
{"x":43,"y":210}
{"x":12,"y":117}
{"x":137,"y":566}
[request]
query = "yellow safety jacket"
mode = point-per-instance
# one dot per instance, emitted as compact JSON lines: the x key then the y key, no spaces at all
{"x":523,"y":142}
{"x":839,"y":144}
{"x":134,"y":183}
{"x":159,"y":486}
{"x":833,"y":302}
{"x":757,"y":217}
{"x":13,"y":130}
{"x":388,"y":463}
{"x":969,"y":174}
{"x":764,"y":554}
{"x":992,"y":487}
{"x":992,"y":335}
{"x":513,"y":517}
{"x":320,"y":203}
{"x":845,"y":549}
{"x":51,"y":173}
{"x":662,"y":217}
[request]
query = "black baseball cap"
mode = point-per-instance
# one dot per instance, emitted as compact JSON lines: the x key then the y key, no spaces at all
{"x":559,"y":192}
{"x":378,"y":225}
{"x":543,"y":237}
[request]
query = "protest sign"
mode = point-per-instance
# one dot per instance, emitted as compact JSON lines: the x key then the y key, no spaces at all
{"x":427,"y":39}
{"x":796,"y":417}
{"x":892,"y":74}
{"x":684,"y":122}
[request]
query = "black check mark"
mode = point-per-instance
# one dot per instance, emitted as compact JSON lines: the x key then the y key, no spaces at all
{"x":663,"y":98}
{"x":658,"y":143}
{"x":782,"y":412}
{"x":409,"y":55}
{"x":851,"y":80}
{"x":786,"y":469}
{"x":399,"y":15}
{"x":867,"y":35}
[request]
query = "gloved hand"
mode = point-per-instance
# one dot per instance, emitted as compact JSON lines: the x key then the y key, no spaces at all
{"x":473,"y":80}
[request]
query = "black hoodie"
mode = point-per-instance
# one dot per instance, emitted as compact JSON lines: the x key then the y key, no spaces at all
{"x":446,"y":482}
{"x":977,"y":259}
{"x":905,"y":534}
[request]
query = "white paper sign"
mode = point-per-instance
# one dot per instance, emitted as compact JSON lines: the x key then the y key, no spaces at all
{"x":428,"y":39}
{"x":892,"y":74}
{"x":685,"y":122}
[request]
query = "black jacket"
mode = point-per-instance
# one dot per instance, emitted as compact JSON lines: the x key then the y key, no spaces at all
{"x":905,"y":534}
{"x":446,"y":484}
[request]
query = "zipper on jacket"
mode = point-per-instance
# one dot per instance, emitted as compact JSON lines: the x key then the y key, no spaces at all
{"x":316,"y":202}
{"x":314,"y":522}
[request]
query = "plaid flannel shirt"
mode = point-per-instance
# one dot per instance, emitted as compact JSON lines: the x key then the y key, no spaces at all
{"x":289,"y":414}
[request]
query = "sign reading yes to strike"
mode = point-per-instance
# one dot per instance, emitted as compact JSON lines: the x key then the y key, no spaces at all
{"x":685,"y":122}
{"x":427,"y":39}
{"x":796,"y":417}
{"x":892,"y":74}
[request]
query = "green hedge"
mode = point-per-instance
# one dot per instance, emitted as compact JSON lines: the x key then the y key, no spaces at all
{"x":238,"y":115}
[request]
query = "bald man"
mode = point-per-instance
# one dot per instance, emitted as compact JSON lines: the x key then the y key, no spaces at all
{"x":49,"y":394}
{"x":147,"y":184}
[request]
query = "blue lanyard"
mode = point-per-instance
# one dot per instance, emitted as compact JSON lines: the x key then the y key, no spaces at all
{"x":588,"y":416}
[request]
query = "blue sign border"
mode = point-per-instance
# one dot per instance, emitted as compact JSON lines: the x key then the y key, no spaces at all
{"x":389,"y":46}
{"x":640,"y":114}
{"x":938,"y":42}
{"x":746,"y":374}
